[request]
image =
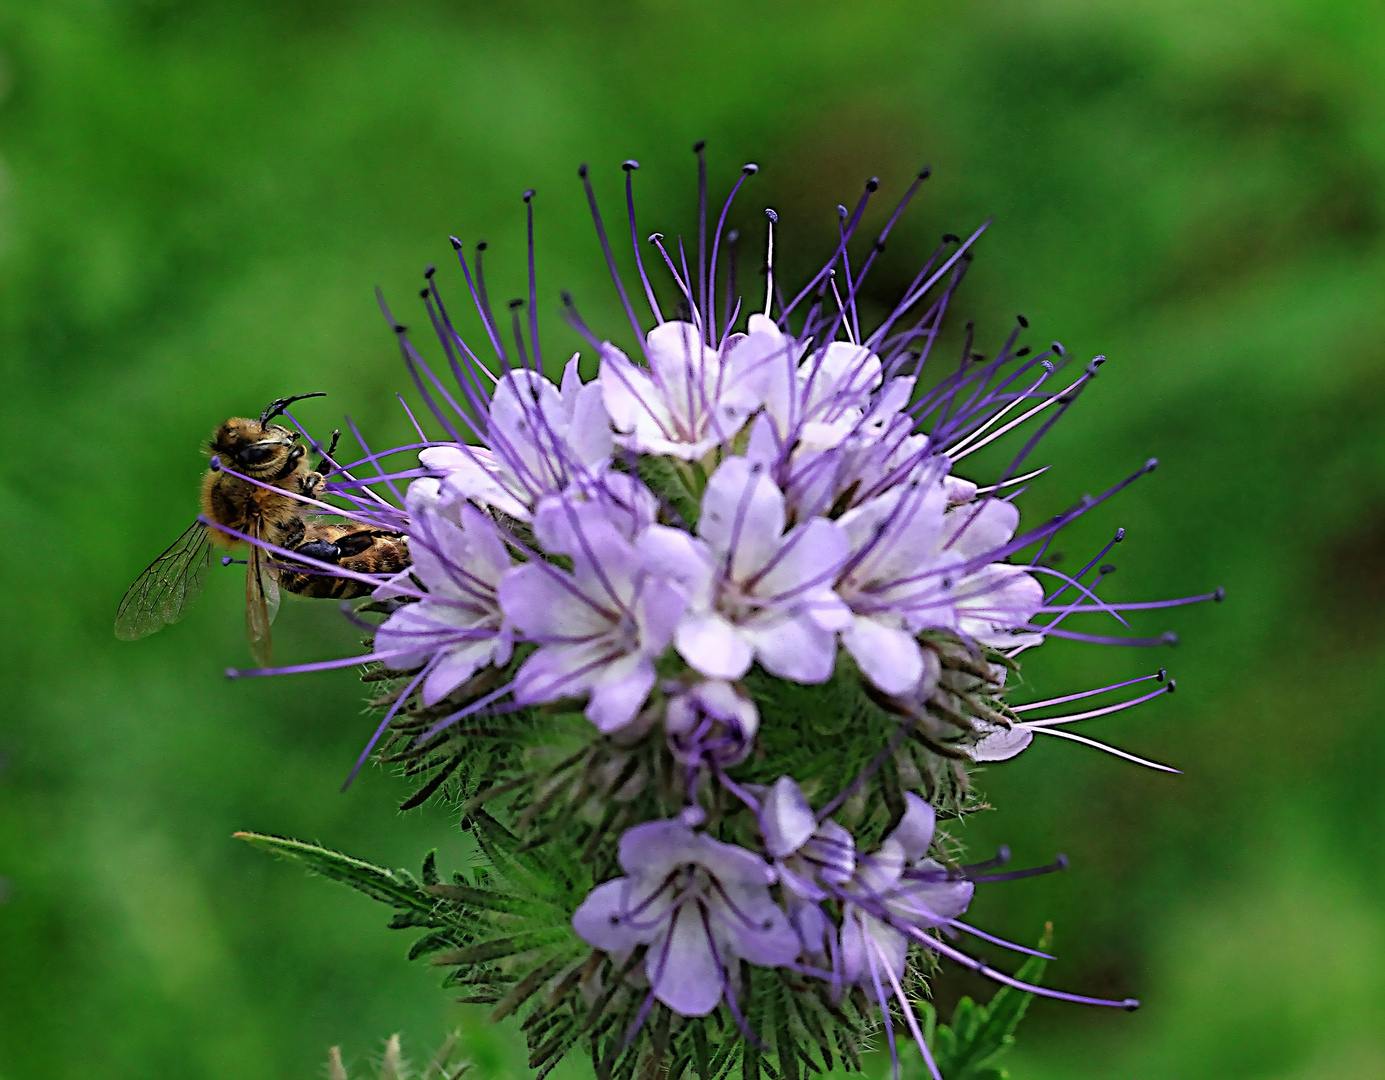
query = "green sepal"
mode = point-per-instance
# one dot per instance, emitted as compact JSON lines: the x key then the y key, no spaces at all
{"x":663,"y":477}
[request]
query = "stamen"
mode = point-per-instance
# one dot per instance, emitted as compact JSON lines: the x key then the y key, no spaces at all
{"x":699,"y":149}
{"x":747,"y":171}
{"x":1057,"y":865}
{"x":974,"y":932}
{"x":1167,"y":688}
{"x":1085,"y":741}
{"x":769,"y":262}
{"x":533,"y":283}
{"x":629,"y":167}
{"x":486,"y":304}
{"x":482,"y":309}
{"x":1159,"y":675}
{"x":398,"y":702}
{"x":981,"y":968}
{"x":908,"y":1010}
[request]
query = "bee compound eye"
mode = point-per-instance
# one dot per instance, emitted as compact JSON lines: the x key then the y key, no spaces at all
{"x":256,"y":453}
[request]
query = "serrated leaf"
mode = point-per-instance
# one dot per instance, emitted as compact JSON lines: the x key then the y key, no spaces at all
{"x":392,"y":887}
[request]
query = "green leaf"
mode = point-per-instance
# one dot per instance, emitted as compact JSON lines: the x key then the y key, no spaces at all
{"x":966,"y":1048}
{"x":392,"y":887}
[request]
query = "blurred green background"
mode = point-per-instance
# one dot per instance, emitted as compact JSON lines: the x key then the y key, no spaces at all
{"x":196,"y":200}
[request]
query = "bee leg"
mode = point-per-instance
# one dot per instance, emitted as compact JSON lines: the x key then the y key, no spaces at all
{"x":308,"y":483}
{"x":327,"y":458}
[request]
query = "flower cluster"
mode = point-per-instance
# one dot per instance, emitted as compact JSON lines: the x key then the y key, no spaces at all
{"x":656,"y":616}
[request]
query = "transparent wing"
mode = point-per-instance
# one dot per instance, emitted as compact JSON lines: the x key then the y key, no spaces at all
{"x":165,"y":592}
{"x":261,"y":604}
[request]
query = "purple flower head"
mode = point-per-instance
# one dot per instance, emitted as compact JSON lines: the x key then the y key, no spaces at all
{"x":458,"y":628}
{"x":697,"y":903}
{"x":710,"y":724}
{"x":712,"y":516}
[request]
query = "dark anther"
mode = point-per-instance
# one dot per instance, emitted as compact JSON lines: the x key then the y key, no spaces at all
{"x":951,"y":238}
{"x":1106,"y":568}
{"x":429,"y":271}
{"x":1168,"y":637}
{"x":1173,"y":685}
{"x":214,"y":464}
{"x":566,"y":298}
{"x":582,"y":171}
{"x":1120,"y":534}
{"x":968,"y":256}
{"x":1061,"y":862}
{"x":516,"y":303}
{"x":456,"y":244}
{"x":1151,"y":464}
{"x":925,"y":172}
{"x":841,"y":211}
{"x":978,"y":357}
{"x":750,"y":168}
{"x":226,"y":560}
{"x":423,"y":294}
{"x":879,"y":243}
{"x":771,"y":214}
{"x":482,"y":246}
{"x":1022,"y":321}
{"x":873,"y":184}
{"x":1219,"y":595}
{"x":1058,"y":348}
{"x":630,"y":166}
{"x":528,"y":195}
{"x":733,"y":236}
{"x":1022,"y":352}
{"x":1161,"y":674}
{"x":970,"y":325}
{"x":699,"y":146}
{"x":400,"y":328}
{"x":1131,"y":1005}
{"x":655,"y":236}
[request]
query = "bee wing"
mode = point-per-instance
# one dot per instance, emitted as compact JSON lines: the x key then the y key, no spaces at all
{"x":261,"y":604}
{"x":165,"y":592}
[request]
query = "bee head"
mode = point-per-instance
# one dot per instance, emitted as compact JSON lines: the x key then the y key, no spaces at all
{"x":261,"y":450}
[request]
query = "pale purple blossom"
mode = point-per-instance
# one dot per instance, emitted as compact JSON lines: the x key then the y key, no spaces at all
{"x":710,"y":723}
{"x":540,"y":440}
{"x":812,"y":858}
{"x":917,"y":565}
{"x":895,"y":888}
{"x":697,"y":903}
{"x":691,"y":397}
{"x":458,"y":628}
{"x":755,"y":591}
{"x":600,"y":627}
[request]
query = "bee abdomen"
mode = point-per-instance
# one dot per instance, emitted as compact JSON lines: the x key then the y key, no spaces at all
{"x":361,"y":549}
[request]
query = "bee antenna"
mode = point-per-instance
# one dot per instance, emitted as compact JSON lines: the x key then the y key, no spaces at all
{"x":278,"y":405}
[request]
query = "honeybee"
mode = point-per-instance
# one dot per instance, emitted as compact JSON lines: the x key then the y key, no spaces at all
{"x":275,"y":513}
